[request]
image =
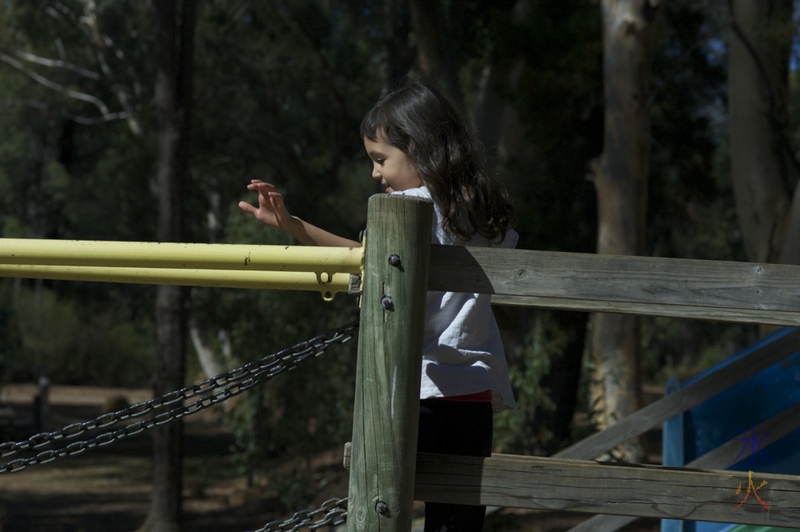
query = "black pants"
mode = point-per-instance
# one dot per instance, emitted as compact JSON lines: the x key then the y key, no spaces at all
{"x":451,"y":427}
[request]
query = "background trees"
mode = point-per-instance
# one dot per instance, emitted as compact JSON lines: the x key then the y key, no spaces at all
{"x":279,"y":89}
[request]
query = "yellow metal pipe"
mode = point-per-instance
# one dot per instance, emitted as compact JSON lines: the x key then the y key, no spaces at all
{"x":327,"y":285}
{"x":177,"y":255}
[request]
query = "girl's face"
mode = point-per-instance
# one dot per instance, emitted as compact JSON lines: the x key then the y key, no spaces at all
{"x":391,"y":166}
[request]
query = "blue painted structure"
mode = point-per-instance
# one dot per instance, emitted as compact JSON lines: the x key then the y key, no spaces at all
{"x":735,"y":411}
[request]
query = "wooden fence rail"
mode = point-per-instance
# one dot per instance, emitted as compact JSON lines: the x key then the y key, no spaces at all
{"x":620,"y":489}
{"x":711,"y":290}
{"x":623,"y":491}
{"x":773,"y":429}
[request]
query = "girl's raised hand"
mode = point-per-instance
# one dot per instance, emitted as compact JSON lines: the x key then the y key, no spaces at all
{"x":271,"y":210}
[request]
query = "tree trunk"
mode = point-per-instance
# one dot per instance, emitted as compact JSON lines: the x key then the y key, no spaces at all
{"x":620,"y":178}
{"x":205,"y":353}
{"x":174,"y":47}
{"x":498,"y":124}
{"x":763,"y":167}
{"x":434,"y":49}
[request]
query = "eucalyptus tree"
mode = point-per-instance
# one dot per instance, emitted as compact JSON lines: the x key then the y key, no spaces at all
{"x":620,"y":177}
{"x":70,"y":80}
{"x":764,"y":164}
{"x":174,"y":56}
{"x":73,"y":109}
{"x":80,"y":53}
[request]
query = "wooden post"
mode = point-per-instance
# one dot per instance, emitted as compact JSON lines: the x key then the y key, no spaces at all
{"x":386,"y":413}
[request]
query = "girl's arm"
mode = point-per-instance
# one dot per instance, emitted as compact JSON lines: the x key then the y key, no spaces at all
{"x":272,"y":212}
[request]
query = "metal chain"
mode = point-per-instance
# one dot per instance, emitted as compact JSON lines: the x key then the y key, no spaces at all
{"x":332,"y":513}
{"x":209,"y":392}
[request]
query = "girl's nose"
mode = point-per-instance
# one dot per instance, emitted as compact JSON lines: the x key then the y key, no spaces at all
{"x":375,"y":173}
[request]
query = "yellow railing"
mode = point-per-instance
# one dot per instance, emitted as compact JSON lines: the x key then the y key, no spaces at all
{"x":323,"y":269}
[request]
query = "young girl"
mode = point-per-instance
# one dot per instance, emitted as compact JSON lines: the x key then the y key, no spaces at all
{"x":421,"y":147}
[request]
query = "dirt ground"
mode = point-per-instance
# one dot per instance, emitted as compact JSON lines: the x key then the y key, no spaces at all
{"x":108,"y":488}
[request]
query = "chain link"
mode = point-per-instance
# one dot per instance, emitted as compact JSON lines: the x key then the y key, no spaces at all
{"x":332,"y":513}
{"x":172,"y":406}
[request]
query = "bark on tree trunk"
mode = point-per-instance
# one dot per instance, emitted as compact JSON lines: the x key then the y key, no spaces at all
{"x":174,"y":48}
{"x":205,"y":353}
{"x":763,"y":166}
{"x":620,"y":178}
{"x":497,"y":123}
{"x":434,"y":49}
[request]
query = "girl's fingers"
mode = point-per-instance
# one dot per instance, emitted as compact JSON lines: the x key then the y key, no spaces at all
{"x":276,"y":202}
{"x":269,"y":209}
{"x":260,"y":186}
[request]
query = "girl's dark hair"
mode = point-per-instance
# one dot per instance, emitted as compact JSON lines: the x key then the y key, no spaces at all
{"x":419,"y":121}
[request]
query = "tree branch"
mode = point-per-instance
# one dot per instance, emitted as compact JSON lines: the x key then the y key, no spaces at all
{"x":87,"y":23}
{"x":772,"y":115}
{"x":58,"y":63}
{"x":97,"y":102}
{"x":84,"y":120}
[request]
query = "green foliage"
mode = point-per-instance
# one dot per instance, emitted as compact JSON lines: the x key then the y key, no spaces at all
{"x":10,"y":338}
{"x":293,"y":489}
{"x":300,"y":412}
{"x":113,"y":199}
{"x":284,"y":86}
{"x":558,"y":96}
{"x":682,"y":348}
{"x":691,"y":207}
{"x":519,"y":430}
{"x":64,"y":173}
{"x":74,"y":345}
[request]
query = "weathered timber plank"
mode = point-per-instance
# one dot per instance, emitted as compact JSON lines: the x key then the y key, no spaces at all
{"x":772,"y":430}
{"x":718,"y":290}
{"x":446,"y":468}
{"x":683,"y":399}
{"x":652,"y":309}
{"x":593,"y":487}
